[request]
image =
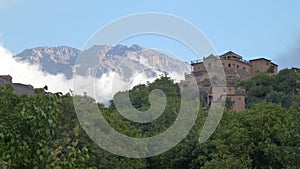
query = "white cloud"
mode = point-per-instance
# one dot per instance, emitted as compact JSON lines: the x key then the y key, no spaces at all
{"x":25,"y":73}
{"x":102,"y":89}
{"x":31,"y":74}
{"x":177,"y":76}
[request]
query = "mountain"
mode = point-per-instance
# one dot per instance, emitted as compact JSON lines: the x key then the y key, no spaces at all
{"x":53,"y":60}
{"x":127,"y":61}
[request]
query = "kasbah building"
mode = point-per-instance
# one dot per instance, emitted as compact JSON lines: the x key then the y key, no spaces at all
{"x":235,"y":69}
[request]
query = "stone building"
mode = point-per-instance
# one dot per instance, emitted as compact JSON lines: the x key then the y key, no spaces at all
{"x":19,"y":88}
{"x":263,"y":65}
{"x":235,"y":62}
{"x":235,"y":69}
{"x":236,"y":95}
{"x":295,"y":69}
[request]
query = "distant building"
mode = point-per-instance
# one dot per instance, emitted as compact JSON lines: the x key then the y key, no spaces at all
{"x":235,"y":62}
{"x":236,"y":95}
{"x":19,"y":88}
{"x":295,"y":69}
{"x":235,"y":69}
{"x":263,"y":65}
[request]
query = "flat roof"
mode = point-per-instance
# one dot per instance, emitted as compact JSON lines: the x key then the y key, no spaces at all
{"x":259,"y":59}
{"x":262,"y":59}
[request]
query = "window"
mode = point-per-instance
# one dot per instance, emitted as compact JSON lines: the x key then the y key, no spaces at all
{"x":237,"y":66}
{"x":229,"y":65}
{"x":244,"y":68}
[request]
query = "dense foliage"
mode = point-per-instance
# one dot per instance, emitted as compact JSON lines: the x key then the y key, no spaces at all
{"x":30,"y":135}
{"x":283,"y":88}
{"x":42,"y":131}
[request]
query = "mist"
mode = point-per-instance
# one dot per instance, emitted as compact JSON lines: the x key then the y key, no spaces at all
{"x":31,"y":74}
{"x":101,"y":89}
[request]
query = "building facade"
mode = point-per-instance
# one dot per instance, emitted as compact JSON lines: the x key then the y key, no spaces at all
{"x":263,"y":65}
{"x":19,"y":88}
{"x":235,"y":69}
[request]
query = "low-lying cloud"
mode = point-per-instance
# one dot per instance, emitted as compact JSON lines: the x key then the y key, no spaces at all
{"x":31,"y":74}
{"x":102,"y":89}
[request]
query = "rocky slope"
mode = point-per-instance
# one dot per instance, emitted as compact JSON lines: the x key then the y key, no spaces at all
{"x":53,"y":60}
{"x":124,"y":60}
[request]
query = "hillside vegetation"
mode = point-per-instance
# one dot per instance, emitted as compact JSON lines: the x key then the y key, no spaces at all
{"x":42,"y":131}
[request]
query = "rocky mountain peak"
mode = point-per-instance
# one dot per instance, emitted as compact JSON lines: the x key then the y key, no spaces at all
{"x":124,"y":60}
{"x":135,"y":47}
{"x":59,"y":54}
{"x":122,"y":50}
{"x":54,"y":59}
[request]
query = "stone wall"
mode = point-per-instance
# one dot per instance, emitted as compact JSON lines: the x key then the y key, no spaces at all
{"x":236,"y":65}
{"x":262,"y":65}
{"x":239,"y":101}
{"x":19,"y":88}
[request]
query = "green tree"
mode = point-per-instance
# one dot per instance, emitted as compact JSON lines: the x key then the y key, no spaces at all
{"x":229,"y":103}
{"x":271,"y":69}
{"x":256,"y":138}
{"x":279,"y":98}
{"x":28,"y":133}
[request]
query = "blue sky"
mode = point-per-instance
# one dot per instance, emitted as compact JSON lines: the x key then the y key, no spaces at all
{"x":253,"y":28}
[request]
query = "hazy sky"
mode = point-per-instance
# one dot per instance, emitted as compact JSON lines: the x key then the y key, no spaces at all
{"x":265,"y":28}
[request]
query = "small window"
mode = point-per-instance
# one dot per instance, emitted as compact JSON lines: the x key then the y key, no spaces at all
{"x":237,"y":66}
{"x":229,"y":65}
{"x":244,"y":68}
{"x":239,"y":98}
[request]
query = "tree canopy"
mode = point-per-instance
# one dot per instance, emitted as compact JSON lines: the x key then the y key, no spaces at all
{"x":42,"y":131}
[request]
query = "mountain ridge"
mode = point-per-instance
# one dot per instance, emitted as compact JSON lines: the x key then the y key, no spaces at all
{"x":122,"y":59}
